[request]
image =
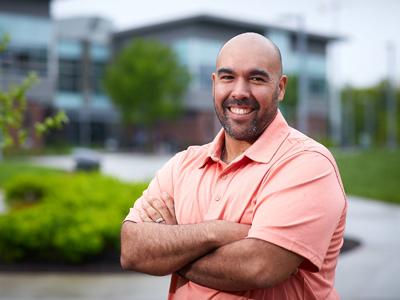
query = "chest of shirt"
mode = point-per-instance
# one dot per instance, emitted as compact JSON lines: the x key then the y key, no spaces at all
{"x":218,"y":192}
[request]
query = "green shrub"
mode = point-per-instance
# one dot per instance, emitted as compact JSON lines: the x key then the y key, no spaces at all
{"x":12,"y":168}
{"x":26,"y":189}
{"x":76,"y":218}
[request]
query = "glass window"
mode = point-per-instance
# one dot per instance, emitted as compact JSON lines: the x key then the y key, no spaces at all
{"x":22,"y":60}
{"x":68,"y":100}
{"x":69,"y":75}
{"x":69,"y":49}
{"x":208,"y":51}
{"x":317,"y":87}
{"x":199,"y":56}
{"x":282,"y":39}
{"x":71,"y":67}
{"x":97,"y":70}
{"x":100,"y":102}
{"x":205,"y":76}
{"x":181,"y":48}
{"x":28,"y":31}
{"x":315,"y":64}
{"x":99,"y":53}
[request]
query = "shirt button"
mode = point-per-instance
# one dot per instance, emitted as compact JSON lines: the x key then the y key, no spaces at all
{"x":224,"y":176}
{"x":217,"y":198}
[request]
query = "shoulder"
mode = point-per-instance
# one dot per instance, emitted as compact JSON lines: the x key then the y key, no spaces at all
{"x":302,"y":157}
{"x":302,"y":153}
{"x":299,"y":145}
{"x":193,"y":155}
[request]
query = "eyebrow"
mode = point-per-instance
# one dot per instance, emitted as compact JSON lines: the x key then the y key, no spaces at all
{"x":225,"y":70}
{"x":261,"y":73}
{"x":252,"y":72}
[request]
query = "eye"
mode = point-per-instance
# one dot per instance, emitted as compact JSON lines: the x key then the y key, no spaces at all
{"x":227,"y":77}
{"x":257,"y":79}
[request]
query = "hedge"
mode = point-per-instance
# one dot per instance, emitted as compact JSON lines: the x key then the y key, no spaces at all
{"x":64,"y":218}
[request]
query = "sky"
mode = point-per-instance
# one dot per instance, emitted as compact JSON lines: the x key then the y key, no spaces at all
{"x":360,"y":59}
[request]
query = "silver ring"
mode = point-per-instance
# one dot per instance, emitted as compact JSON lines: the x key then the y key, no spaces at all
{"x":159,"y":220}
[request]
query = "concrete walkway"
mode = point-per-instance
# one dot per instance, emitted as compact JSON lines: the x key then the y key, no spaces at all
{"x":369,"y":272}
{"x":129,"y":167}
{"x":53,"y":286}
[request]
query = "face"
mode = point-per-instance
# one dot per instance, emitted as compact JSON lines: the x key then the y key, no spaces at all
{"x":247,"y":88}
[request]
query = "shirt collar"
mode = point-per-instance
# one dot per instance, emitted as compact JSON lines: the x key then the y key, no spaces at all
{"x":269,"y":142}
{"x":264,"y":148}
{"x":215,"y":148}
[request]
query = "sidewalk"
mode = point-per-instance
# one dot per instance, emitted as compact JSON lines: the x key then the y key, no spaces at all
{"x":369,"y":272}
{"x":51,"y":286}
{"x":125,"y":166}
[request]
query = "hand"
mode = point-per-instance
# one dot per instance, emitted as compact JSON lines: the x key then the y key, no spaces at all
{"x":154,"y":209}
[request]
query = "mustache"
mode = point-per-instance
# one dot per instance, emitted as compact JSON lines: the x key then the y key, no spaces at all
{"x":243,"y":102}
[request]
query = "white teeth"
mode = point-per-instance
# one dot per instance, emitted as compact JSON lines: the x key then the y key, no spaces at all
{"x":240,"y":111}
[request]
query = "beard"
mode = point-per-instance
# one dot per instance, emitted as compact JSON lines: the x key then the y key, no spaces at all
{"x":237,"y":129}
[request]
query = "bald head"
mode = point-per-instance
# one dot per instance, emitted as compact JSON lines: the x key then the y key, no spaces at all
{"x":254,"y":44}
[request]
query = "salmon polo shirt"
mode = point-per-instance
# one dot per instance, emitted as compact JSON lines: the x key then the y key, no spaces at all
{"x":286,"y":185}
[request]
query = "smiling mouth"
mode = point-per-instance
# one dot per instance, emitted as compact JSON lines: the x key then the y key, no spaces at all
{"x":241,"y":111}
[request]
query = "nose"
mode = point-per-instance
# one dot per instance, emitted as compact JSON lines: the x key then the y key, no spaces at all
{"x":241,"y":89}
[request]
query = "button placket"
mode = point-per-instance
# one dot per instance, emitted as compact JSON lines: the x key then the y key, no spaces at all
{"x":218,"y":193}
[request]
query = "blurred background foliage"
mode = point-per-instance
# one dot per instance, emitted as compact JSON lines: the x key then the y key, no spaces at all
{"x":365,"y":115}
{"x":147,"y":83}
{"x":13,"y":106}
{"x":75,"y":223}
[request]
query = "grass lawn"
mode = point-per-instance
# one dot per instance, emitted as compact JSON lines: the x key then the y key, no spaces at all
{"x":10,"y":168}
{"x":373,"y":174}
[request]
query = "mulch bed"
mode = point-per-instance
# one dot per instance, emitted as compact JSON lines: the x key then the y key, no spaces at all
{"x":107,"y":263}
{"x":349,"y":244}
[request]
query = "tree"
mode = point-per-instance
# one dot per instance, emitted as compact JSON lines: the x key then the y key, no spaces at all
{"x":365,"y":112}
{"x":147,"y":83}
{"x":13,"y":106}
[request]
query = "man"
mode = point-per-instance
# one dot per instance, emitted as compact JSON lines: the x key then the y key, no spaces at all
{"x":236,"y":218}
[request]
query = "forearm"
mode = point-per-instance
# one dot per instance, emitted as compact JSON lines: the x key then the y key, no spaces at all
{"x":242,"y":265}
{"x":162,"y":249}
{"x":223,"y":269}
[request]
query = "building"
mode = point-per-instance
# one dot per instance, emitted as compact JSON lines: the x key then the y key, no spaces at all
{"x":30,"y":49}
{"x":70,"y":56}
{"x":197,"y":41}
{"x":82,"y":50}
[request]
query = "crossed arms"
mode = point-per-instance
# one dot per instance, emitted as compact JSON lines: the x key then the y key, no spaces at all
{"x":214,"y":254}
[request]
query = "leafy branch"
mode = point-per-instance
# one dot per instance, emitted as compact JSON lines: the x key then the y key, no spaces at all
{"x":13,"y":105}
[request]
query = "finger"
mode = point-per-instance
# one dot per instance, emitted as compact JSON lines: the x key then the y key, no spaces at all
{"x":151,"y":212}
{"x":145,"y":217}
{"x":170,"y":204}
{"x":161,"y":208}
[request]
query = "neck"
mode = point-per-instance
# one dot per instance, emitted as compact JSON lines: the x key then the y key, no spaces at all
{"x":234,"y":148}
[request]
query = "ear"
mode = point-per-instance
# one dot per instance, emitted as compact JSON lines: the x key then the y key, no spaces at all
{"x":213,"y":80}
{"x":282,"y":87}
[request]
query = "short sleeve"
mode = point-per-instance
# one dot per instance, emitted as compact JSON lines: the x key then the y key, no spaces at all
{"x":162,"y":182}
{"x":299,"y":207}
